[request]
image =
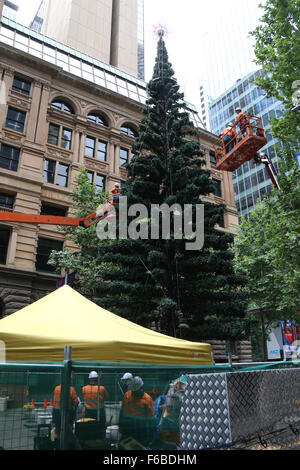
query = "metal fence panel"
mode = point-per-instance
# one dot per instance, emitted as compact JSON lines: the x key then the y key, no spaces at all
{"x":241,"y":410}
{"x":205,"y":413}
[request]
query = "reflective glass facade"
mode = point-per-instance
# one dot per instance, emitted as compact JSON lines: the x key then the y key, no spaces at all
{"x":251,"y":181}
{"x":140,"y":37}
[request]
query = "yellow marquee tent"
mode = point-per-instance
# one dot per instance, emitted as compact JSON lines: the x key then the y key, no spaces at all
{"x":40,"y":331}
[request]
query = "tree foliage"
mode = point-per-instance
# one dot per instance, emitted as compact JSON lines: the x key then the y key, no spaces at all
{"x":267,"y":247}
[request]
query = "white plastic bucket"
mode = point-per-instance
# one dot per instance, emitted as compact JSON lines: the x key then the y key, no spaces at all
{"x":112,"y":412}
{"x":3,"y":403}
{"x":113,"y":434}
{"x":43,"y":417}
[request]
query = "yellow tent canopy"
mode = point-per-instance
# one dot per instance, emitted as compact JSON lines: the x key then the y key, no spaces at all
{"x":40,"y":331}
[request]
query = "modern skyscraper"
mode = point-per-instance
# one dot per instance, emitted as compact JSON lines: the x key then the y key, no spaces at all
{"x":109,"y":30}
{"x":251,"y":181}
{"x":38,"y":20}
{"x":205,"y":100}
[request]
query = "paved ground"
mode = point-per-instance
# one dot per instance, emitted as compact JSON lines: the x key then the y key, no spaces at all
{"x":18,"y":427}
{"x":17,"y":430}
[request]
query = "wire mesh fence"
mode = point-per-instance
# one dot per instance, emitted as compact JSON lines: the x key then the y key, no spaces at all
{"x":30,"y":412}
{"x":181,"y":407}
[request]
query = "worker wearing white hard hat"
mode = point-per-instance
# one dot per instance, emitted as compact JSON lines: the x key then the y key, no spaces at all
{"x":125,"y":381}
{"x":137,"y":413}
{"x":93,"y":375}
{"x":94,"y":396}
{"x":127,"y":376}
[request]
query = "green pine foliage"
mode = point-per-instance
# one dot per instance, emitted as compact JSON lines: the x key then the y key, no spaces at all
{"x":159,"y":282}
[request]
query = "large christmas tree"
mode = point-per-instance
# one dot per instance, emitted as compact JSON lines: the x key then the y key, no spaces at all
{"x":159,"y":279}
{"x":185,"y":285}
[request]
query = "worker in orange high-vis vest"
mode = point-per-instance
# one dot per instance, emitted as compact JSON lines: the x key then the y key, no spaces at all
{"x":229,"y":137}
{"x":243,"y":122}
{"x":94,"y":396}
{"x":74,"y":401}
{"x":137,"y":413}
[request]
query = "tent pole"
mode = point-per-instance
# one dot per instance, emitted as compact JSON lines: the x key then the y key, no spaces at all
{"x":98,"y":397}
{"x":65,"y":396}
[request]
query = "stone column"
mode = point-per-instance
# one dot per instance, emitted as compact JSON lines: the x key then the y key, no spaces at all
{"x":117,"y":160}
{"x":111,"y":157}
{"x":12,"y":247}
{"x":81,"y":146}
{"x":41,"y":133}
{"x":6,"y":85}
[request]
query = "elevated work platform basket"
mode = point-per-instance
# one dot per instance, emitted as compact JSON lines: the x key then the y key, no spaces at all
{"x":244,"y":147}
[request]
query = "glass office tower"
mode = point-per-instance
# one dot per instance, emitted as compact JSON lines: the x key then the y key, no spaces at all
{"x":251,"y":181}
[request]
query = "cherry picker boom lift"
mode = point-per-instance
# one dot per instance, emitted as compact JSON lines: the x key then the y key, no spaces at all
{"x":245,"y":148}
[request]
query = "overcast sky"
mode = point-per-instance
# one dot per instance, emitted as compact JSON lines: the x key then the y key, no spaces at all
{"x":188,"y":23}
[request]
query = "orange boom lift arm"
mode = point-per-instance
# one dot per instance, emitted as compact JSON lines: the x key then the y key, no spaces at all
{"x":37,"y":219}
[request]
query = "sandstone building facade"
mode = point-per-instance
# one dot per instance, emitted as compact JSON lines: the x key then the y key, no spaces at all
{"x":60,"y":112}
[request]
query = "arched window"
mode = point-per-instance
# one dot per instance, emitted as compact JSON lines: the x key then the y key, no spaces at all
{"x":62,"y":106}
{"x":129,"y":130}
{"x":98,"y":119}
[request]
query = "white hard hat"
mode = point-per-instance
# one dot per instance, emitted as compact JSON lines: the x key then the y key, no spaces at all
{"x":136,"y":384}
{"x":127,"y":376}
{"x":238,"y":109}
{"x":230,"y":124}
{"x":93,"y":375}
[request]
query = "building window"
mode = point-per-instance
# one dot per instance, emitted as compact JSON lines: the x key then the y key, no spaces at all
{"x":62,"y":106}
{"x":92,"y":144}
{"x":56,"y":173}
{"x":48,"y":209}
{"x":21,"y":85}
{"x":102,"y":151}
{"x":66,"y":139}
{"x":260,"y":176}
{"x":62,"y":175}
{"x":98,"y":180}
{"x":221,"y":222}
{"x":243,"y":204}
{"x":53,"y":134}
{"x":98,"y":119}
{"x":44,"y":249}
{"x":9,"y":157}
{"x":250,"y":201}
{"x":91,"y":176}
{"x":212,"y":158}
{"x":15,"y":119}
{"x":218,"y":189}
{"x":6,"y":201}
{"x":129,"y":130}
{"x":4,"y":240}
{"x":241,"y":186}
{"x":124,"y":156}
{"x":247,"y":183}
{"x":256,"y":198}
{"x":60,"y":136}
{"x":254,"y":179}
